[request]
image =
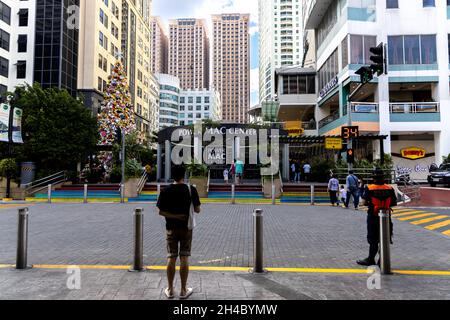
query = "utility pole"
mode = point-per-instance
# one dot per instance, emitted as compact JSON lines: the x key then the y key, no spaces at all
{"x":123,"y":159}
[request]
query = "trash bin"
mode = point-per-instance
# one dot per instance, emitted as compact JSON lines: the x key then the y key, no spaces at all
{"x":28,"y":170}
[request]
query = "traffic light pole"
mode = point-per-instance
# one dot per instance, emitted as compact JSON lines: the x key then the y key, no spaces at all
{"x":349,"y":111}
{"x":10,"y":130}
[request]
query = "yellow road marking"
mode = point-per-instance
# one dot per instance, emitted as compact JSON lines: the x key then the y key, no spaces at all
{"x":424,"y":221}
{"x":402,"y":210}
{"x":446,"y":233}
{"x":406,"y":214}
{"x":237,"y":269}
{"x":417,"y":216}
{"x":9,"y":206}
{"x":438,"y":225}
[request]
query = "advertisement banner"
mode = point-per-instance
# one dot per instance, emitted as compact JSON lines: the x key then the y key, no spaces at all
{"x":4,"y":122}
{"x":17,"y":126}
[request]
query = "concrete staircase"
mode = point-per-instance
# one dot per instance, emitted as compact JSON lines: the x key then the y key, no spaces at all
{"x":302,"y":194}
{"x":75,"y":193}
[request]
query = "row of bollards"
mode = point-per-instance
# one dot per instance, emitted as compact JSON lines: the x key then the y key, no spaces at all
{"x":258,"y":241}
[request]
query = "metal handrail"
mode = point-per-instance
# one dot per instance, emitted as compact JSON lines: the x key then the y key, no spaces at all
{"x":41,"y":184}
{"x":374,"y":107}
{"x":142,"y":182}
{"x":209,"y":181}
{"x":412,"y":107}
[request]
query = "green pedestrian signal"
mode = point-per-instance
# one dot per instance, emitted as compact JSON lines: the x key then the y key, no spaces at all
{"x":365,"y":73}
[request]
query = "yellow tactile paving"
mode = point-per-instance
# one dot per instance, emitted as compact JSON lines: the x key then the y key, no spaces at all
{"x":425,"y":221}
{"x":438,"y":225}
{"x":423,"y":215}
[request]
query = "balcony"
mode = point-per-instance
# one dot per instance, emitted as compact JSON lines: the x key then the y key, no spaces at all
{"x":327,"y":120}
{"x":415,"y":112}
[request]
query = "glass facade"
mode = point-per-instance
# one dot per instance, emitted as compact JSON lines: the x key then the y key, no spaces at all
{"x":56,"y":51}
{"x":412,"y":49}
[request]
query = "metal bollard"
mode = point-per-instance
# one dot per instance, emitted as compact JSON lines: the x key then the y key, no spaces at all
{"x":385,"y":243}
{"x":49,"y":193}
{"x":138,"y":263}
{"x":233,"y":194}
{"x":273,"y":195}
{"x":158,"y":190}
{"x":85,"y":196}
{"x":313,"y":200}
{"x":122,"y":193}
{"x":22,"y":240}
{"x":258,"y":253}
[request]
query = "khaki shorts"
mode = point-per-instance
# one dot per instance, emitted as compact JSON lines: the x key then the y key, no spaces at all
{"x":179,"y":243}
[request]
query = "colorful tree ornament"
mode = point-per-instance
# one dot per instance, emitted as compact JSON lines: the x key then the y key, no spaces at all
{"x":117,"y":111}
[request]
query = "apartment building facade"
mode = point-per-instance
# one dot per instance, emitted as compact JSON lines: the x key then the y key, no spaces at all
{"x":280,"y":41}
{"x":410,"y":105}
{"x":231,"y":64}
{"x":198,"y":105}
{"x":159,"y":46}
{"x":16,"y":43}
{"x":188,"y":56}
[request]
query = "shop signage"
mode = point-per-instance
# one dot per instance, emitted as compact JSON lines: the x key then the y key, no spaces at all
{"x":328,"y":87}
{"x":413,"y":153}
{"x":294,"y":128}
{"x":333,"y":144}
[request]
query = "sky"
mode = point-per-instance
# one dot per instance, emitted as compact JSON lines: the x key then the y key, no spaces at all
{"x":203,"y":9}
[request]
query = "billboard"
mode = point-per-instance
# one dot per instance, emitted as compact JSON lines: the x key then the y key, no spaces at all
{"x":17,"y":126}
{"x":4,"y":122}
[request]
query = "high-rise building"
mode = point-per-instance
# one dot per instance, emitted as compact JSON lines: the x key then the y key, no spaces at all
{"x":189,"y":53}
{"x":169,"y":100}
{"x":159,"y":46}
{"x":231,"y":64}
{"x":154,"y":104}
{"x":56,"y":44}
{"x":280,"y":41}
{"x":16,"y":43}
{"x":198,"y":105}
{"x":111,"y":30}
{"x":411,"y":104}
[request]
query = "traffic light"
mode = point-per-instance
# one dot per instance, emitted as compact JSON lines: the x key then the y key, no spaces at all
{"x":379,"y":63}
{"x":365,"y":73}
{"x":350,"y":156}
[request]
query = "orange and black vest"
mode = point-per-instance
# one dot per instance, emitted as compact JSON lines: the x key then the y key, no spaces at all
{"x":381,"y":197}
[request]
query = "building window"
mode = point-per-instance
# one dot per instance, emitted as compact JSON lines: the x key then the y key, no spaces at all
{"x":428,"y":3}
{"x":22,"y":43}
{"x":412,"y":49}
{"x":23,"y":17}
{"x":21,"y":69}
{"x":391,"y":4}
{"x":359,"y":48}
{"x":4,"y":67}
{"x":4,"y":40}
{"x":5,"y":13}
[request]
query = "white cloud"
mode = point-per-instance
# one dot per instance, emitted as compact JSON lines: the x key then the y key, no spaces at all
{"x":254,"y":80}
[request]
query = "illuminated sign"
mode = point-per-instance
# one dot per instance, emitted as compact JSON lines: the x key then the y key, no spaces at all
{"x":294,"y":128}
{"x":350,"y":132}
{"x":413,"y":153}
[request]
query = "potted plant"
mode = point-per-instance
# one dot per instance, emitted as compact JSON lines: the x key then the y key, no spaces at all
{"x":198,"y":176}
{"x":133,"y":173}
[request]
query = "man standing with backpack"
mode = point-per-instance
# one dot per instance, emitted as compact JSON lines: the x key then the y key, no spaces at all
{"x":352,"y":190}
{"x":177,"y":203}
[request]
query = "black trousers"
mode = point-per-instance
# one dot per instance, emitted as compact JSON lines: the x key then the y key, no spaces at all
{"x":373,"y":234}
{"x":333,"y":197}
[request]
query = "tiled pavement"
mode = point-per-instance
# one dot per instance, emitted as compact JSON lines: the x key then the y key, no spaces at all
{"x":309,"y":237}
{"x":306,"y":237}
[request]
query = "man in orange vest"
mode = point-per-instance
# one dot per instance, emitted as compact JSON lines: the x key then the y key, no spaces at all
{"x":378,"y":197}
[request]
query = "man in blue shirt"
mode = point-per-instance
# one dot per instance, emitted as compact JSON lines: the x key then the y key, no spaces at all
{"x":352,"y":190}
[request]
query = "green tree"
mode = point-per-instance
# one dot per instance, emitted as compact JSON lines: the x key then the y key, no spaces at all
{"x":58,"y":130}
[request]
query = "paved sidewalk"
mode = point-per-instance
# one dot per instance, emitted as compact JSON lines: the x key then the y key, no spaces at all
{"x":307,"y":237}
{"x":122,"y":285}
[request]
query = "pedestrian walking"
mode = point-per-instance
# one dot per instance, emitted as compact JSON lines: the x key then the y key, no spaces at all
{"x":298,"y":172}
{"x":333,"y":190}
{"x":292,"y":175}
{"x":239,"y":171}
{"x":177,"y":203}
{"x":378,"y":197}
{"x":352,"y":190}
{"x":225,"y":175}
{"x":232,"y":171}
{"x":307,"y":171}
{"x":343,"y":195}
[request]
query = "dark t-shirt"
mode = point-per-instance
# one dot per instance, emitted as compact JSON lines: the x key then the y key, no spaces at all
{"x":175,"y":199}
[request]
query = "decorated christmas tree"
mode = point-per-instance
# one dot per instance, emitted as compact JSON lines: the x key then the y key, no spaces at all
{"x":117,"y":111}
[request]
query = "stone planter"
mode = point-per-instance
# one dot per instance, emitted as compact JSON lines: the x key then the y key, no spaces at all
{"x":16,"y":192}
{"x":267,"y":186}
{"x":201,"y":185}
{"x":131,"y":188}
